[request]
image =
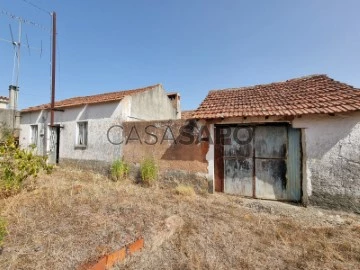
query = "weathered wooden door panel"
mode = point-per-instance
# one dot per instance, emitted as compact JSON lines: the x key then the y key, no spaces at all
{"x":54,"y":145}
{"x":270,"y":142}
{"x":239,"y":144}
{"x":238,"y":162}
{"x":294,"y":164}
{"x":270,"y":162}
{"x":271,"y":181}
{"x":236,"y":150}
{"x":239,"y":176}
{"x":263,"y":161}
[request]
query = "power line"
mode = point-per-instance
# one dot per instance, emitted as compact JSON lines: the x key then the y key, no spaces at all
{"x":36,"y":6}
{"x":14,"y":17}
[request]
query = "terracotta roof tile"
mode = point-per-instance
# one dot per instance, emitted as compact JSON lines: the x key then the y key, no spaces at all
{"x":100,"y":98}
{"x":306,"y":95}
{"x":187,"y":114}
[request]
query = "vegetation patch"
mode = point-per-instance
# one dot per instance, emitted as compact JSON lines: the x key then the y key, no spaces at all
{"x":3,"y":231}
{"x":16,"y":165}
{"x":73,"y":216}
{"x":119,"y":170}
{"x":149,"y":171}
{"x":185,"y":190}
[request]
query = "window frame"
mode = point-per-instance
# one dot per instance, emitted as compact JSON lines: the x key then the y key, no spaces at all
{"x":34,"y":135}
{"x":81,"y":126}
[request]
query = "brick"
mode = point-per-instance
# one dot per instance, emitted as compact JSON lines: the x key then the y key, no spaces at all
{"x":136,"y":246}
{"x":115,"y":257}
{"x":100,"y":265}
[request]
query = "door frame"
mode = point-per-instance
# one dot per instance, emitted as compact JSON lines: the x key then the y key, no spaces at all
{"x":219,"y":154}
{"x":57,"y":128}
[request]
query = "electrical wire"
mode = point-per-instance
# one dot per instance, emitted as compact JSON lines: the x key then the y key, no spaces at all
{"x":36,"y":6}
{"x":14,"y":17}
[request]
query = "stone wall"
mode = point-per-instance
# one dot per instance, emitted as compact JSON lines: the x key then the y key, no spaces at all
{"x":163,"y":141}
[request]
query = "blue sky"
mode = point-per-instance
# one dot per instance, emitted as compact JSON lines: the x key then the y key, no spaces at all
{"x":190,"y":46}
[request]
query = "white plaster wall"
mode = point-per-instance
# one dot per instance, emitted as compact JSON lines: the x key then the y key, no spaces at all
{"x":3,"y":104}
{"x":152,"y":105}
{"x":28,"y":119}
{"x":331,"y":156}
{"x":100,"y":118}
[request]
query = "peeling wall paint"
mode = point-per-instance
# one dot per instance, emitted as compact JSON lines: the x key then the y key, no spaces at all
{"x":210,"y":160}
{"x":332,"y":159}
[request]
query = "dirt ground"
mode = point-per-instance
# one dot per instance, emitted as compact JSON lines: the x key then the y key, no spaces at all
{"x":71,"y":217}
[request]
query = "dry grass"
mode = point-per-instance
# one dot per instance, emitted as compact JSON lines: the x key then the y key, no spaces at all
{"x":73,"y":216}
{"x":185,"y":190}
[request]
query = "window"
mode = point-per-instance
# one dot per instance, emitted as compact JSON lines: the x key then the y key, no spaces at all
{"x":82,"y":131}
{"x":34,"y":134}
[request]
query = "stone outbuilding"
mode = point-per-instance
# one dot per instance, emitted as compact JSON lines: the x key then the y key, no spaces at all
{"x":297,"y":140}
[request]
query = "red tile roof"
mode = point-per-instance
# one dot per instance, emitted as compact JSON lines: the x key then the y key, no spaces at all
{"x":100,"y":98}
{"x":306,"y":95}
{"x":187,"y":114}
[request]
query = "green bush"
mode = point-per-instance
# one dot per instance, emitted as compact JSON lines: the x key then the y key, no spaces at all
{"x":149,"y":171}
{"x":119,"y":170}
{"x":16,"y":165}
{"x":3,"y":230}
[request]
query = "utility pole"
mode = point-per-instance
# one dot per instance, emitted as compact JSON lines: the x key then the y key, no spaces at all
{"x":53,"y":68}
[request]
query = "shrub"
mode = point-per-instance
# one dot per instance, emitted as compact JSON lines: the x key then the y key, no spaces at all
{"x":185,"y":190}
{"x":16,"y":165}
{"x":3,"y":230}
{"x":149,"y":171}
{"x":119,"y":170}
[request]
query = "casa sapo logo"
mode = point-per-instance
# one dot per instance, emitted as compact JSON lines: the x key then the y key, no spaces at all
{"x":185,"y":135}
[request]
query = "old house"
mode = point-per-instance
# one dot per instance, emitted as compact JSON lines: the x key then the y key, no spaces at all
{"x":4,"y":101}
{"x":86,"y":129}
{"x":297,"y":140}
{"x":9,"y":116}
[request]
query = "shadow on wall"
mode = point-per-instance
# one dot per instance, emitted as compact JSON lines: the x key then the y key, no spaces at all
{"x":323,"y":133}
{"x":80,"y":113}
{"x":92,"y":111}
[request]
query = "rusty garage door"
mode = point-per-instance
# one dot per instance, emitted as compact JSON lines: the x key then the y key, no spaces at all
{"x":259,"y":161}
